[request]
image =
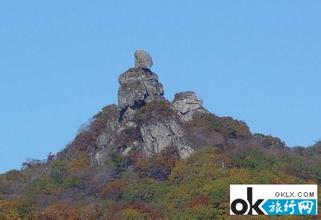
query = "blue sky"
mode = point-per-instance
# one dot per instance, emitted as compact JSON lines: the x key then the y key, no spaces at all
{"x":257,"y":61}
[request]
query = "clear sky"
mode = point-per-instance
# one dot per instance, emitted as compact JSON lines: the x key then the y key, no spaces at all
{"x":257,"y":61}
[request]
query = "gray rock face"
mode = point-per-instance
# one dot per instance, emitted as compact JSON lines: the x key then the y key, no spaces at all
{"x":143,"y":59}
{"x":160,"y":134}
{"x":137,"y":87}
{"x":188,"y":105}
{"x":106,"y":138}
{"x":111,"y":128}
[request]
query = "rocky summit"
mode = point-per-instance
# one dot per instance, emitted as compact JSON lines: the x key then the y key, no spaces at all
{"x":140,"y":89}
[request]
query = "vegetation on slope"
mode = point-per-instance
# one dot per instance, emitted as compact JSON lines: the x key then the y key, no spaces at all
{"x":160,"y":187}
{"x":163,"y":186}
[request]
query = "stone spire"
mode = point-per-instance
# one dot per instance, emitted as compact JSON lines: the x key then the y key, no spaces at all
{"x":138,"y":85}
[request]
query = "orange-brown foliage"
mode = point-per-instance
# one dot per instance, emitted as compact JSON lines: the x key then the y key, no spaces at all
{"x":60,"y":211}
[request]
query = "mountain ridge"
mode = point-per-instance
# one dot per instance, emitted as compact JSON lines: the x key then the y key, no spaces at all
{"x":134,"y":156}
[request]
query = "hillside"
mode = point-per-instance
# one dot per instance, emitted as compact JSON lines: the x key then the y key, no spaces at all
{"x":151,"y":158}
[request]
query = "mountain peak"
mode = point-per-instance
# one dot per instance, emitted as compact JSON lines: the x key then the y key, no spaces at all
{"x":147,"y":121}
{"x":129,"y":160}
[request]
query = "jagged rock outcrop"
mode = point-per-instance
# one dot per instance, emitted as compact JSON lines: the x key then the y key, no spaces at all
{"x":159,"y":126}
{"x":138,"y":86}
{"x":106,"y":139}
{"x":158,"y":135}
{"x":143,"y":59}
{"x":188,"y":105}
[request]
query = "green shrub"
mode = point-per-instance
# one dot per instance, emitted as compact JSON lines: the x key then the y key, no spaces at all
{"x":72,"y":182}
{"x":44,"y":184}
{"x":79,"y":162}
{"x":140,"y":191}
{"x":58,"y":171}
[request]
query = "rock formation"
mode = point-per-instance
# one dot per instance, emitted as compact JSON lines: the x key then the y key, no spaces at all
{"x":188,"y":105}
{"x":161,"y":134}
{"x":140,"y":88}
{"x":143,"y":59}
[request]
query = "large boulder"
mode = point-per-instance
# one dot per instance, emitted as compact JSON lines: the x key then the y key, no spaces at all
{"x":188,"y":105}
{"x":143,"y":59}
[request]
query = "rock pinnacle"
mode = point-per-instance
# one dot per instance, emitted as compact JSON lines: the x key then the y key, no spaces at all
{"x":143,"y":59}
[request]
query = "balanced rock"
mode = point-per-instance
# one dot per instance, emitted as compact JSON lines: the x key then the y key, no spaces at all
{"x":143,"y":59}
{"x":188,"y":105}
